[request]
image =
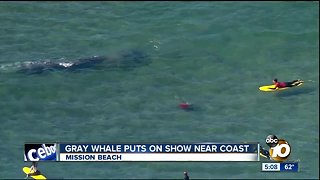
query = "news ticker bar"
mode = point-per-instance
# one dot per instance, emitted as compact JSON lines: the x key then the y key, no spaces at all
{"x":142,"y":152}
{"x":157,"y":157}
{"x":280,"y":167}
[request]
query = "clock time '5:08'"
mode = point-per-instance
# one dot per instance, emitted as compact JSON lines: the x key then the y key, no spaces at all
{"x":271,"y":166}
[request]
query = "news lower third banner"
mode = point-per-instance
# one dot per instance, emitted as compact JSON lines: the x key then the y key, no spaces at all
{"x":142,"y":152}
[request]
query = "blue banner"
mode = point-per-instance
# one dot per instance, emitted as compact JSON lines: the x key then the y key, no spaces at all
{"x":290,"y":167}
{"x":160,"y":148}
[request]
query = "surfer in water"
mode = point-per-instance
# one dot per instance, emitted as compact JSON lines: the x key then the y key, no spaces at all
{"x":264,"y":152}
{"x":285,"y":84}
{"x":186,"y":176}
{"x":186,"y":106}
{"x":33,"y":170}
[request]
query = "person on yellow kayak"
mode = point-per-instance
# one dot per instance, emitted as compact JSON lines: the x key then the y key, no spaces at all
{"x":33,"y":170}
{"x":285,"y":84}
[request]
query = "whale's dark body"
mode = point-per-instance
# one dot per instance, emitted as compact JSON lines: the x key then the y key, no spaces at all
{"x":126,"y":60}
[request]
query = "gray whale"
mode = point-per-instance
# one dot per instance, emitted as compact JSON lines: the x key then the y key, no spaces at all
{"x":126,"y":60}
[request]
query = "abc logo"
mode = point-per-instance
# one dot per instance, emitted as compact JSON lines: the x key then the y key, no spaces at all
{"x":279,"y":148}
{"x":272,"y":140}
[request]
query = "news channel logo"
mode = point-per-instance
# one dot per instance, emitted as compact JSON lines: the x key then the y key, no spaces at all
{"x":279,"y":148}
{"x":40,"y":152}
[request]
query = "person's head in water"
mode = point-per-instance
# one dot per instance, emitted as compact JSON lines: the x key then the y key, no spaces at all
{"x":186,"y":106}
{"x":186,"y":177}
{"x":275,"y":80}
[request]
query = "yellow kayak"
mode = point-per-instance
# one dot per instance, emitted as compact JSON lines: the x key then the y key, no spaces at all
{"x":27,"y":171}
{"x":269,"y":88}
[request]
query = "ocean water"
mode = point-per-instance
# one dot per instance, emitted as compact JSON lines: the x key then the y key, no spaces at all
{"x":212,"y":54}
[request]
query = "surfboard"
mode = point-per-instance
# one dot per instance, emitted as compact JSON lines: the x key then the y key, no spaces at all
{"x":26,"y":170}
{"x":268,"y":88}
{"x":264,"y":156}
